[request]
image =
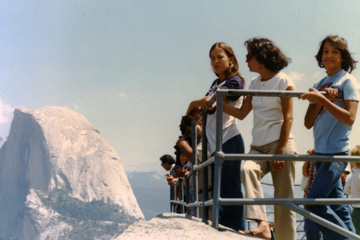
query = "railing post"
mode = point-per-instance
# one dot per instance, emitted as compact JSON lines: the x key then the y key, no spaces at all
{"x":205,"y":184}
{"x":218,"y":161}
{"x":172,"y":198}
{"x":219,"y":115}
{"x":194,"y":174}
{"x":181,"y":194}
{"x":187,"y":189}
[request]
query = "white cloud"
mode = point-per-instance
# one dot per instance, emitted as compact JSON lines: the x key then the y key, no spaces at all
{"x":123,"y":95}
{"x":5,"y":112}
{"x":296,"y":77}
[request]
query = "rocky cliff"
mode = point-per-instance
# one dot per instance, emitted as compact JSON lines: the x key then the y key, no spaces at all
{"x":59,"y":179}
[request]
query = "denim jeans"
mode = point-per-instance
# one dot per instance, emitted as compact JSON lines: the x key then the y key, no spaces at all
{"x":231,"y":216}
{"x":327,"y":184}
{"x":311,"y":230}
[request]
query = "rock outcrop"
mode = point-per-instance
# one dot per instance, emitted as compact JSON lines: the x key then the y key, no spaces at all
{"x":59,"y":179}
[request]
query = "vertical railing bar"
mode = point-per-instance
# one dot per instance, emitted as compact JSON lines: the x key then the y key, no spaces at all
{"x":205,"y":184}
{"x":218,"y":161}
{"x":194,"y":174}
{"x":187,"y":190}
{"x":171,"y":198}
{"x":181,"y":193}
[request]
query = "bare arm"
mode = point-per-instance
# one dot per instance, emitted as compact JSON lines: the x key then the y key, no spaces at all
{"x":345,"y":115}
{"x":186,"y":149}
{"x":311,"y":115}
{"x":287,"y":111}
{"x":241,"y":113}
{"x":305,"y":168}
{"x":197,"y":104}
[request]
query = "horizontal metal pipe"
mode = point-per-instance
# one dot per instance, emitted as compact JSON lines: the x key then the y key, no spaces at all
{"x":264,"y":93}
{"x":208,"y":203}
{"x":178,"y":202}
{"x":299,"y":201}
{"x":277,"y":157}
{"x":205,"y":164}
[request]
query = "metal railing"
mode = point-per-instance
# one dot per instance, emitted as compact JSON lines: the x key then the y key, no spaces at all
{"x":219,"y":157}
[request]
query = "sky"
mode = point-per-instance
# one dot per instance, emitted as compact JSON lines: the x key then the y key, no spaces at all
{"x":132,"y":67}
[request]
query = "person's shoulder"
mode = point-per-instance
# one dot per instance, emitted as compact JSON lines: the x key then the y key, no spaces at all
{"x":284,"y":77}
{"x":236,"y":78}
{"x":319,"y":82}
{"x":254,"y":82}
{"x":350,"y":83}
{"x":285,"y":80}
{"x":256,"y":79}
{"x":214,"y":82}
{"x":233,"y":82}
{"x":349,"y":77}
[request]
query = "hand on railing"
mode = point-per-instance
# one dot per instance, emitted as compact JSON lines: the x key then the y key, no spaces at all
{"x":210,"y":103}
{"x":180,"y":172}
{"x":171,"y":180}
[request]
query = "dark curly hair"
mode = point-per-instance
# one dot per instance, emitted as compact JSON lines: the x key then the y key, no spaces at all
{"x":339,"y":43}
{"x":266,"y":53}
{"x":167,"y":159}
{"x":186,"y":121}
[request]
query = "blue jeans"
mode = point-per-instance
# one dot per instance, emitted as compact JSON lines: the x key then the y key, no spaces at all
{"x":327,"y":184}
{"x":231,"y":216}
{"x":311,"y":230}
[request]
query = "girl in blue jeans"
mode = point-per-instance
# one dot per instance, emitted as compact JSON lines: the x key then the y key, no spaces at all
{"x":226,"y":68}
{"x":332,"y":122}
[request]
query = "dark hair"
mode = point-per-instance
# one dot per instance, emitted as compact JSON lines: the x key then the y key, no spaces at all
{"x":177,"y":156}
{"x":234,"y":67}
{"x":167,"y":159}
{"x":186,"y":121}
{"x":267,"y":53}
{"x":339,"y":43}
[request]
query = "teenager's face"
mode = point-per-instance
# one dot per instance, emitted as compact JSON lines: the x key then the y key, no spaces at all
{"x":220,"y":62}
{"x":253,"y":64}
{"x":331,"y":58}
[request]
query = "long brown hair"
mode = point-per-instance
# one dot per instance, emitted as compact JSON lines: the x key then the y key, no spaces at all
{"x":234,"y":67}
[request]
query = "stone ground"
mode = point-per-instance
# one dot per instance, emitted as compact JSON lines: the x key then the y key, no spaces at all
{"x":172,"y":226}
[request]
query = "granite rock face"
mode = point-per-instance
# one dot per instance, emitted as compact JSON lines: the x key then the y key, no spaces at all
{"x":59,"y":179}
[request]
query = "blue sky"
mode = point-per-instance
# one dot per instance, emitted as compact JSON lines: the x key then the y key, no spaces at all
{"x":132,"y":67}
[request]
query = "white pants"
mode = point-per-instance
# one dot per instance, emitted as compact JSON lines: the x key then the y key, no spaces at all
{"x":283,"y":181}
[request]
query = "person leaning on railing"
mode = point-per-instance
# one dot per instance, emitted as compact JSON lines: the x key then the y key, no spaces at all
{"x":332,"y":122}
{"x":168,"y":163}
{"x":273,"y":117}
{"x":184,"y":143}
{"x":226,"y":68}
